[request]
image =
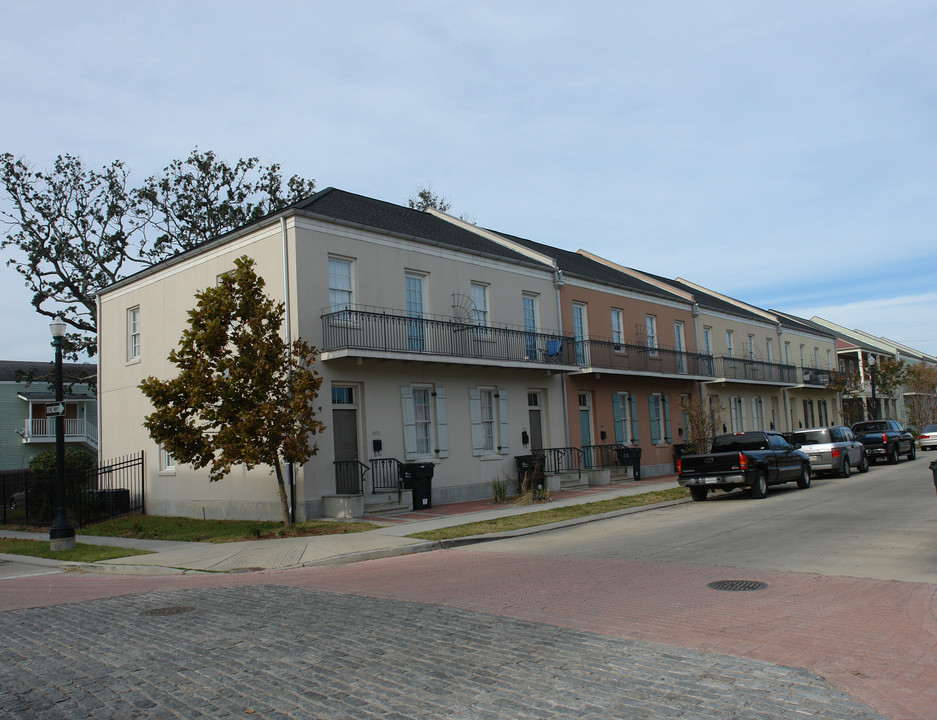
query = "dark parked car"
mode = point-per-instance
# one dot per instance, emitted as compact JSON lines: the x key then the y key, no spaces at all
{"x":885,"y":440}
{"x":832,"y":449}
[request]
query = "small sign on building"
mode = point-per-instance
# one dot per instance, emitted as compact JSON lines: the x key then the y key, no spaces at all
{"x":55,"y":409}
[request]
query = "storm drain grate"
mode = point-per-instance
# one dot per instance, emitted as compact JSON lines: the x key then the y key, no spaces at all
{"x":172,"y":610}
{"x":737,"y":585}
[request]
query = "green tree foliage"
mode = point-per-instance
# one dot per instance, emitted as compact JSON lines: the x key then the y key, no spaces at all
{"x":72,"y":231}
{"x":921,"y":382}
{"x":75,"y":460}
{"x":242,"y":395}
{"x":427,"y":198}
{"x":889,"y":375}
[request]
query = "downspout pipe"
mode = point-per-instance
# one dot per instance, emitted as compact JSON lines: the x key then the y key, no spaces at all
{"x":559,"y":282}
{"x":287,"y":316}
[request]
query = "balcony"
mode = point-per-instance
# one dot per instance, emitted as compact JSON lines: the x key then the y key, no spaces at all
{"x":607,"y":355}
{"x":77,"y":430}
{"x":364,"y":331}
{"x":733,"y":369}
{"x":821,"y":377}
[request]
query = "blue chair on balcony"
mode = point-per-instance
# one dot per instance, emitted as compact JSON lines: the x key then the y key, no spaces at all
{"x":554,"y":350}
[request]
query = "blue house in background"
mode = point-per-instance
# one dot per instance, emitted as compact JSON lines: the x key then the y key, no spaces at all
{"x":25,"y":390}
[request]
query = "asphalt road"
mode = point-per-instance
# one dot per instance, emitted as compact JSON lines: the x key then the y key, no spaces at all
{"x":881,"y":524}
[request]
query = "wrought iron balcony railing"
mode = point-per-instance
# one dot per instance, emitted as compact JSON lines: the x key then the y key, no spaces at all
{"x":821,"y":377}
{"x":383,"y":330}
{"x":734,"y":368}
{"x":396,"y":332}
{"x":607,"y":354}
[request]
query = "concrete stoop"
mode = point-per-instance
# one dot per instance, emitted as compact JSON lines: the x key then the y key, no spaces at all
{"x":388,"y":503}
{"x":571,"y":481}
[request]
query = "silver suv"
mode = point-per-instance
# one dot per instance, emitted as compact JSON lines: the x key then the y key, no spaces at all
{"x":832,"y":449}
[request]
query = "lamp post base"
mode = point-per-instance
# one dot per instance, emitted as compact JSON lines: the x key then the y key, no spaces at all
{"x":65,"y":543}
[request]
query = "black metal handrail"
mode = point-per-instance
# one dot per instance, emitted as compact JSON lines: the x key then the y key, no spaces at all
{"x":350,"y":477}
{"x":385,"y":474}
{"x":561,"y":460}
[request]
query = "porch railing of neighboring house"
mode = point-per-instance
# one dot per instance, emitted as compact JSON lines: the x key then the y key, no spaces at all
{"x":736,"y":368}
{"x":350,"y":477}
{"x":369,"y":328}
{"x":112,"y":489}
{"x":641,"y":358}
{"x":43,"y":430}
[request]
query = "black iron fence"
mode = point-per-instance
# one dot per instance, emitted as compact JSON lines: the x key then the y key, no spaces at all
{"x":385,"y":474}
{"x":109,"y":490}
{"x":350,"y":477}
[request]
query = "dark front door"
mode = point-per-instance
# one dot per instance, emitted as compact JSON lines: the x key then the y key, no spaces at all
{"x":345,"y":438}
{"x":536,"y":429}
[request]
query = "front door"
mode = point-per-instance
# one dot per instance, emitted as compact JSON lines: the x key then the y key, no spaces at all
{"x":585,"y":427}
{"x":535,"y":419}
{"x":345,"y":440}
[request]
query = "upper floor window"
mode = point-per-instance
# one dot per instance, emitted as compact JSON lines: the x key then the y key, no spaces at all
{"x":751,"y":347}
{"x":708,"y":340}
{"x":730,"y":343}
{"x":787,"y":353}
{"x":133,"y":333}
{"x":650,"y":323}
{"x":802,"y":363}
{"x":340,"y":284}
{"x":769,"y":350}
{"x":618,"y":331}
{"x":480,"y":304}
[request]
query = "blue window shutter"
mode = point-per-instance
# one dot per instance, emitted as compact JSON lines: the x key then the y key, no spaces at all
{"x":504,"y":438}
{"x":475,"y":412}
{"x":652,"y":406}
{"x":442,"y":429}
{"x":409,"y":422}
{"x":634,"y":420}
{"x":617,"y":413}
{"x":668,"y":436}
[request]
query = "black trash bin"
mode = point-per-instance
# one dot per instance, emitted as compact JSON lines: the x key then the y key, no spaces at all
{"x":530,"y":466}
{"x":418,"y":478}
{"x":933,"y":469}
{"x":636,"y":462}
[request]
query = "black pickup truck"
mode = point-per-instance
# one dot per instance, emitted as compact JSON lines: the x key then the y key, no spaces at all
{"x":749,"y":459}
{"x":885,"y":439}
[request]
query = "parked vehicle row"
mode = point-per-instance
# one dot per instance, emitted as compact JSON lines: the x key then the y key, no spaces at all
{"x":928,"y":437}
{"x":756,"y":460}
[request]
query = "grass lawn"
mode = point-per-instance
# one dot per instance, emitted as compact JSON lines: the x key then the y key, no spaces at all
{"x":552,"y":515}
{"x":80,"y":553}
{"x":155,"y":527}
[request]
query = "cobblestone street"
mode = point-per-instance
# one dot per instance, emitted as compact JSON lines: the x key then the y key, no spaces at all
{"x":273,"y":651}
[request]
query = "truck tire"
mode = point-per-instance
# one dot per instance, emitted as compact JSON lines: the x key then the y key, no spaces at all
{"x":846,"y":471}
{"x":803,"y":482}
{"x":893,"y":455}
{"x":760,"y":486}
{"x":864,"y":463}
{"x":912,"y":454}
{"x":698,"y":493}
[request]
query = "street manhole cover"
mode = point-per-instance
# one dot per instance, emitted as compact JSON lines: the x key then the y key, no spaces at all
{"x":737,"y":585}
{"x":173,"y":610}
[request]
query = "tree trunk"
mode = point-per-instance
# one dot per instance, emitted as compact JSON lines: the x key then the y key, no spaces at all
{"x":281,"y":486}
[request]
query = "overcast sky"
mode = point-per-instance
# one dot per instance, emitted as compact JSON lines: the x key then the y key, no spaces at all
{"x":784,"y":153}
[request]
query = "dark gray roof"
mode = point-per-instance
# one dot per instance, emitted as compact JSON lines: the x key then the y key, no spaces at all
{"x":579,"y":266}
{"x":371,"y":214}
{"x":709,"y":301}
{"x":23,"y":370}
{"x":802,"y":324}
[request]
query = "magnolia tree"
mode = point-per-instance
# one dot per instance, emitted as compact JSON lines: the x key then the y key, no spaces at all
{"x":242,"y":395}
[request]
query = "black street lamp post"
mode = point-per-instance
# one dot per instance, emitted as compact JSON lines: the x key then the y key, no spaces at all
{"x":61,"y":533}
{"x":874,"y":403}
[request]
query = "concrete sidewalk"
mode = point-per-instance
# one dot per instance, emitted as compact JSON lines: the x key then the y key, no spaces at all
{"x":389,"y":540}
